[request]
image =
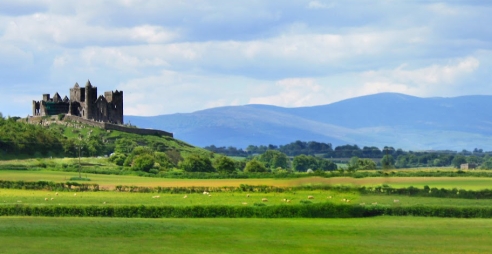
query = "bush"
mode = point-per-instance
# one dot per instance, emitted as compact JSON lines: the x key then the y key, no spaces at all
{"x":254,"y":166}
{"x":197,"y":163}
{"x":143,"y":162}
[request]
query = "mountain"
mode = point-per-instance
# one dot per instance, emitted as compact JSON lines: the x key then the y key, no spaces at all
{"x":392,"y":119}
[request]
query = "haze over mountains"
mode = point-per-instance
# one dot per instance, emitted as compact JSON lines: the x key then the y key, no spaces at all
{"x":392,"y":119}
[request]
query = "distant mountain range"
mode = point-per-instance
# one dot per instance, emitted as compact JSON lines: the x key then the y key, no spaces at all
{"x":391,"y":119}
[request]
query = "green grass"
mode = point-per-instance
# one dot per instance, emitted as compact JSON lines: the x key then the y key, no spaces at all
{"x":32,"y":197}
{"x":368,"y":235}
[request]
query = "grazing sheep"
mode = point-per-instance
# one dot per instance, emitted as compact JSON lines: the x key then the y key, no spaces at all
{"x":310,"y":197}
{"x":284,"y":200}
{"x":362,"y":204}
{"x":343,"y":200}
{"x":244,"y":203}
{"x":375,"y":203}
{"x":186,"y":196}
{"x":75,"y":194}
{"x":264,"y":200}
{"x":56,"y":193}
{"x":52,"y":198}
{"x":104,"y":202}
{"x":329,"y":197}
{"x":396,"y":201}
{"x":288,"y":201}
{"x":156,"y":196}
{"x":348,"y":201}
{"x":206,"y":193}
{"x":247,"y":195}
{"x":45,"y":199}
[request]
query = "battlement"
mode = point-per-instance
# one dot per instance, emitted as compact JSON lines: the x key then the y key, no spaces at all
{"x":85,"y":103}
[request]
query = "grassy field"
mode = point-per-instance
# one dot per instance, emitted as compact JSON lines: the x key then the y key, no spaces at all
{"x":370,"y":235}
{"x":109,"y":181}
{"x":31,"y":197}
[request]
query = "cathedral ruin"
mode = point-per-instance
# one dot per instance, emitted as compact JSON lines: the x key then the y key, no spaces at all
{"x":83,"y":103}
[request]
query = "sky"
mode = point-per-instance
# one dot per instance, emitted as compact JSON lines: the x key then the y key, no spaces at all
{"x":183,"y":56}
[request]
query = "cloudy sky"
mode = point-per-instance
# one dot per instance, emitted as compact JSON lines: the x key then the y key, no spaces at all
{"x":182,"y":56}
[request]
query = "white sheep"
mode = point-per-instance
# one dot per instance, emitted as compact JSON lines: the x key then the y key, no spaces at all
{"x":288,"y":201}
{"x":52,"y":198}
{"x":75,"y":194}
{"x":362,"y":204}
{"x":264,"y":200}
{"x":310,"y":197}
{"x":45,"y":199}
{"x":156,"y":196}
{"x":348,"y":201}
{"x":56,"y":193}
{"x":375,"y":203}
{"x":247,"y":195}
{"x":396,"y":201}
{"x":186,"y":196}
{"x":329,"y":197}
{"x":244,"y":203}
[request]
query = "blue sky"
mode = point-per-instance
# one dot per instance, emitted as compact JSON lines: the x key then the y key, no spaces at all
{"x":182,"y":56}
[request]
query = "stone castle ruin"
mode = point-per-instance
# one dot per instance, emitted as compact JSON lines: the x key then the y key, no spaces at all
{"x":83,"y":103}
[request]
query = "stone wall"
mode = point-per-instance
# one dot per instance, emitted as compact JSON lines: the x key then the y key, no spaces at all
{"x":108,"y":126}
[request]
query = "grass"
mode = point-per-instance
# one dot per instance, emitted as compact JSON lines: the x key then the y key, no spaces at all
{"x":37,"y":198}
{"x":31,"y":197}
{"x":368,"y":235}
{"x":109,"y":181}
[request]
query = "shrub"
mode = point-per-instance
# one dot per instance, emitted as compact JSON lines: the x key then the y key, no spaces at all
{"x":143,"y":162}
{"x":254,"y":166}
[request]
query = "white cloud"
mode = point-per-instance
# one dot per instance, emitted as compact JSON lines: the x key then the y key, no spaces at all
{"x":294,"y":92}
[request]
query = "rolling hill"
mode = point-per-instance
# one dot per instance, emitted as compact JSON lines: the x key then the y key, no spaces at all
{"x":398,"y":120}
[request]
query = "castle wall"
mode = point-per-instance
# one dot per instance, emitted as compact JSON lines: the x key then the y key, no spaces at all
{"x":108,"y":126}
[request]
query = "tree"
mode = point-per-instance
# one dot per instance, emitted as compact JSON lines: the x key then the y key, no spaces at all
{"x":197,"y":163}
{"x":254,"y":166}
{"x":274,"y":159}
{"x":387,"y":162}
{"x":224,"y":164}
{"x":303,"y":163}
{"x":458,"y":160}
{"x":143,"y":162}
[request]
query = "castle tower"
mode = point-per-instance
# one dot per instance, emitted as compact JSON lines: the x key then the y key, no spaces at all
{"x":90,"y":99}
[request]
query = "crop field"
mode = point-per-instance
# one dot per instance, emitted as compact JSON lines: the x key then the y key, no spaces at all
{"x":110,"y":181}
{"x":369,"y":235}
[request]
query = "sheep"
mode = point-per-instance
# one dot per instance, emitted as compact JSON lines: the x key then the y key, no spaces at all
{"x":75,"y":194}
{"x":375,"y":203}
{"x":362,"y":204}
{"x":209,"y":195}
{"x":348,"y":201}
{"x":56,"y":193}
{"x":247,"y":195}
{"x":206,"y":193}
{"x":284,"y":200}
{"x":264,"y":200}
{"x":396,"y":201}
{"x":186,"y":196}
{"x":288,"y":201}
{"x":343,"y":200}
{"x":156,"y":196}
{"x":244,"y":203}
{"x":52,"y":198}
{"x":104,"y":202}
{"x":45,"y":199}
{"x":310,"y":197}
{"x":329,"y":197}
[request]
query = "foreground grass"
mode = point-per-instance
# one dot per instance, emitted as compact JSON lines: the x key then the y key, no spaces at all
{"x":369,"y":235}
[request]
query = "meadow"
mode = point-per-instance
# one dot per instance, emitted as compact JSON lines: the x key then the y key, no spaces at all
{"x":367,"y":235}
{"x":110,"y":181}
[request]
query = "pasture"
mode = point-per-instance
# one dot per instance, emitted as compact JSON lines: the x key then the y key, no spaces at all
{"x":114,"y":198}
{"x":110,"y":181}
{"x":368,"y":235}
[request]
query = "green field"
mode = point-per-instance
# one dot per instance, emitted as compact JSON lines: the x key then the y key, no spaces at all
{"x":369,"y":235}
{"x":109,"y":181}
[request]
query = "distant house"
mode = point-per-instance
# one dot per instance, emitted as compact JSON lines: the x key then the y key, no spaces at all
{"x":468,"y":166}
